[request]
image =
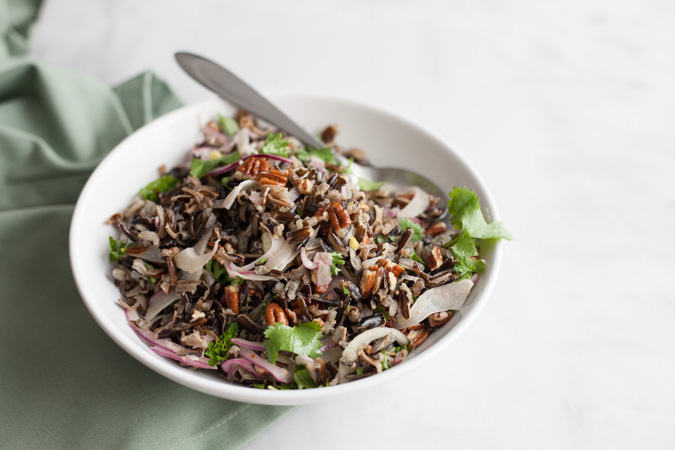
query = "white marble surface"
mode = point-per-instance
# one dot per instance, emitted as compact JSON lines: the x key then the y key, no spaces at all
{"x":567,"y":110}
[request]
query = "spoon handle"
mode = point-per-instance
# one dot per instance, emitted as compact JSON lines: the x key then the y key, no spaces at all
{"x":231,"y":88}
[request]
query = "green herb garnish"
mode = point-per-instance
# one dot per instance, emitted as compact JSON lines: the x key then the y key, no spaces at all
{"x":325,"y":154}
{"x":275,"y":144}
{"x":418,"y":231}
{"x":337,"y":260}
{"x":217,"y":350}
{"x":162,"y":184}
{"x":370,"y":186}
{"x":302,"y":339}
{"x":228,"y":125}
{"x":414,"y":257}
{"x":118,"y":249}
{"x":302,"y":378}
{"x":199,"y":168}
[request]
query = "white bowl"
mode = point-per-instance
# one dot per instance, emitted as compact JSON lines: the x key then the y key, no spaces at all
{"x":388,"y":141}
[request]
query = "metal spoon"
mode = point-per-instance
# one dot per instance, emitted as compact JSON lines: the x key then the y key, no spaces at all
{"x":228,"y":86}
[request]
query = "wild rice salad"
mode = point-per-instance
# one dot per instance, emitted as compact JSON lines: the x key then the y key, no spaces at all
{"x":264,"y":260}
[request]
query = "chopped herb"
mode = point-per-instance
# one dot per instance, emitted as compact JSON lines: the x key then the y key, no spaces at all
{"x":418,"y":231}
{"x":337,"y":259}
{"x":325,"y":154}
{"x":275,"y":144}
{"x":162,"y":184}
{"x":262,"y":261}
{"x":414,"y":257}
{"x":385,"y":363}
{"x":153,"y":280}
{"x":217,"y":350}
{"x":302,"y":339}
{"x":359,"y":371}
{"x":302,"y":378}
{"x":400,"y":348}
{"x":118,"y":249}
{"x":380,"y":238}
{"x":219,"y":272}
{"x":370,"y":186}
{"x":382,"y":310}
{"x":259,"y":385}
{"x":346,"y":291}
{"x":348,"y":168}
{"x":228,"y":125}
{"x":224,"y":181}
{"x":199,"y":168}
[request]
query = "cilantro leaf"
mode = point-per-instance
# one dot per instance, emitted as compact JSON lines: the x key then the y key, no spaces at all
{"x":228,"y":125}
{"x":467,"y":216}
{"x":337,"y":259}
{"x":199,"y":168}
{"x":162,"y":184}
{"x":217,"y":350}
{"x":414,"y":257}
{"x":463,"y":250}
{"x":382,"y":310}
{"x":302,"y":378}
{"x":325,"y":154}
{"x":418,"y":231}
{"x":400,"y":348}
{"x":359,"y":371}
{"x":118,"y":249}
{"x":219,"y":272}
{"x":275,"y":144}
{"x":369,"y":186}
{"x":302,"y":339}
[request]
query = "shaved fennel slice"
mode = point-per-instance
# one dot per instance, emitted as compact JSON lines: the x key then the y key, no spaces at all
{"x":228,"y":201}
{"x":416,"y":206}
{"x":443,"y":298}
{"x":360,"y":341}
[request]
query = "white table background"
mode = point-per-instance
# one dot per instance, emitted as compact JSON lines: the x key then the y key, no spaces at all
{"x":566,"y":109}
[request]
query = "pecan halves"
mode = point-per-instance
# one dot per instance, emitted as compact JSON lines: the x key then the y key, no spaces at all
{"x":416,"y":335}
{"x":274,"y":178}
{"x":253,"y":166}
{"x":339,"y":218}
{"x":274,"y":313}
{"x":231,"y":298}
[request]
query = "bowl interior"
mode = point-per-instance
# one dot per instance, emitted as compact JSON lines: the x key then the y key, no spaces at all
{"x":388,"y":141}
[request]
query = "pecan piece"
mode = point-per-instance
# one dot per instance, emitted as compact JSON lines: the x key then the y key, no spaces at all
{"x":274,"y":314}
{"x":231,"y":298}
{"x":436,"y":229}
{"x":339,"y":218}
{"x":440,"y":318}
{"x":416,"y":335}
{"x":328,"y":135}
{"x":253,"y":166}
{"x":274,"y":177}
{"x":435,"y":258}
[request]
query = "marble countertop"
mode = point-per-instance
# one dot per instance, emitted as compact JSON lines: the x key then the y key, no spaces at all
{"x":566,"y":109}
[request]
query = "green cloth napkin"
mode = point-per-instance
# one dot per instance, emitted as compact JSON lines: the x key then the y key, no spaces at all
{"x":63,"y":382}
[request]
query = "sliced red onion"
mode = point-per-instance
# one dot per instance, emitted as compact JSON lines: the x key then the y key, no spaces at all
{"x":234,"y":271}
{"x":305,"y":260}
{"x":443,"y":298}
{"x":328,"y":347}
{"x":256,"y":198}
{"x":159,"y":301}
{"x":390,"y":212}
{"x":279,"y":374}
{"x":230,"y":364}
{"x":319,"y":166}
{"x":257,"y":346}
{"x":189,"y":360}
{"x":208,"y":131}
{"x":324,"y":260}
{"x":416,"y":206}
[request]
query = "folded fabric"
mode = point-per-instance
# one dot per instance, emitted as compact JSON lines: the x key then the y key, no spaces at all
{"x":63,"y":382}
